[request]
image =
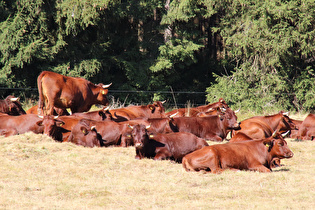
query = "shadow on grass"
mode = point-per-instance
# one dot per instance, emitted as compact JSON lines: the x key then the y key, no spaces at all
{"x":280,"y":170}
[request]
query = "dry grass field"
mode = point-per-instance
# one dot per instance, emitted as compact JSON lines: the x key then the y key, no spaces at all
{"x":39,"y":173}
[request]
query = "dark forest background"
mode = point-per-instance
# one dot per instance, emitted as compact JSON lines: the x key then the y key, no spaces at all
{"x":256,"y":54}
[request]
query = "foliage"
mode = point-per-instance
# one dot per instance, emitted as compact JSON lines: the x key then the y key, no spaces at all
{"x":270,"y":43}
{"x":263,"y":51}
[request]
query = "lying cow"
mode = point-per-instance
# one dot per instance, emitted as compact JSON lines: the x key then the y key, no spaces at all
{"x":11,"y":106}
{"x":260,"y":127}
{"x":194,"y":111}
{"x":155,"y":110}
{"x":78,"y":94}
{"x":85,"y":135}
{"x":306,"y":129}
{"x":156,"y":125}
{"x":254,"y":155}
{"x":101,"y":115}
{"x":57,"y":111}
{"x":213,"y":128}
{"x":164,"y":146}
{"x":14,"y":125}
{"x":112,"y":133}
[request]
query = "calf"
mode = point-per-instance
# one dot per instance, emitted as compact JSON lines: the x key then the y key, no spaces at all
{"x":255,"y":155}
{"x":84,"y":135}
{"x":164,"y":146}
{"x":11,"y":106}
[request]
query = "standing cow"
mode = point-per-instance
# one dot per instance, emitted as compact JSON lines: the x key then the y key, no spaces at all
{"x":78,"y":94}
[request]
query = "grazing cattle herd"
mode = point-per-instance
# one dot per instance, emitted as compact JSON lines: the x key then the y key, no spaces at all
{"x":181,"y":135}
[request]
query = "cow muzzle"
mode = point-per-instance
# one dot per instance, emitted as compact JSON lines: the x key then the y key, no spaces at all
{"x":289,"y":154}
{"x":138,"y":145}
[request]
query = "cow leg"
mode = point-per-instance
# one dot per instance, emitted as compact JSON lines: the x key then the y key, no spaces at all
{"x":162,"y":154}
{"x":260,"y":168}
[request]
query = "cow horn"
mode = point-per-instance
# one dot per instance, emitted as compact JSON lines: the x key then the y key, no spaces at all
{"x":14,"y":99}
{"x":237,"y":110}
{"x":210,"y":109}
{"x":130,"y":126}
{"x":173,"y":115}
{"x":274,"y":133}
{"x":107,"y":108}
{"x":107,"y":86}
{"x":40,"y":116}
{"x":285,"y":134}
{"x":223,"y":109}
{"x":93,"y":127}
{"x":148,"y":126}
{"x":162,"y":102}
{"x":55,"y":117}
{"x":286,"y":113}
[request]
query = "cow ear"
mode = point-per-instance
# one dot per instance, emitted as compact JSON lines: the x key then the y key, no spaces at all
{"x":60,"y":123}
{"x":151,"y":107}
{"x":268,"y":143}
{"x":104,"y":92}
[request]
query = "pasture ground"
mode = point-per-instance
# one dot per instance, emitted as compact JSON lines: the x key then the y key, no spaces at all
{"x":39,"y":173}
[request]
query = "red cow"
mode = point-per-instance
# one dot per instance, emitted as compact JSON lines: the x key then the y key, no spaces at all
{"x":214,"y":128}
{"x":68,"y":123}
{"x":100,"y":115}
{"x":11,"y":106}
{"x":156,"y":125}
{"x":155,"y":110}
{"x":240,"y":137}
{"x":255,"y":155}
{"x":193,"y":112}
{"x":112,"y":133}
{"x":84,"y":135}
{"x":13,"y":125}
{"x":78,"y":94}
{"x":57,"y":111}
{"x":307,"y":128}
{"x":261,"y":127}
{"x":164,"y":146}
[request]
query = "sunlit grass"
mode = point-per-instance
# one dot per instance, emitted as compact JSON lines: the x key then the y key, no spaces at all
{"x":37,"y":172}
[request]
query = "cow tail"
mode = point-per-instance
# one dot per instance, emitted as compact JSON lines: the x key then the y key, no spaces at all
{"x":41,"y":99}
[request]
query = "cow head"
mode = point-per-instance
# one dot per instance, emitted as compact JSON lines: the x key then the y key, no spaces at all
{"x":277,"y":146}
{"x":85,"y":135}
{"x":105,"y":114}
{"x":102,"y":91}
{"x":229,"y":119}
{"x":14,"y":106}
{"x":51,"y":126}
{"x":285,"y":123}
{"x":157,"y":109}
{"x":140,"y":135}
